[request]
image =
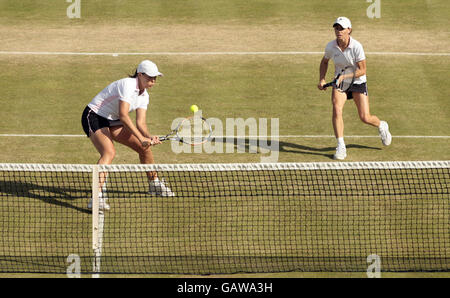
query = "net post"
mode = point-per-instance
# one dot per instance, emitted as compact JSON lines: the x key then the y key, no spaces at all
{"x":95,"y":220}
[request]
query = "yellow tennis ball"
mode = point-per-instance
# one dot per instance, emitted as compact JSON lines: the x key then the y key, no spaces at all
{"x":194,"y":108}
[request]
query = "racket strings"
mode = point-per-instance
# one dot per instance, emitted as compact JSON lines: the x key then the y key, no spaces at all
{"x":194,"y":130}
{"x":348,"y":79}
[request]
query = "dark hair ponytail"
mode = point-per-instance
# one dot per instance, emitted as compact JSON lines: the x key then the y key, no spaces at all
{"x":135,"y":74}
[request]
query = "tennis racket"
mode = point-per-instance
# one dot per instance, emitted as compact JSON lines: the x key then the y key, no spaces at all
{"x":193,"y":130}
{"x":344,"y":80}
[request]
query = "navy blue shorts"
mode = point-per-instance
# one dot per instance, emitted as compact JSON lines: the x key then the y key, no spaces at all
{"x":92,"y":122}
{"x":360,"y":88}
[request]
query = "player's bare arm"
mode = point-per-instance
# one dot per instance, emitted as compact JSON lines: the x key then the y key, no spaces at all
{"x":322,"y":73}
{"x":141,"y":125}
{"x":361,"y":69}
{"x":126,"y":120}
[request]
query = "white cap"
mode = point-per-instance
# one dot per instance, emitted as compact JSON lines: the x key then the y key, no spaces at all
{"x":344,"y":22}
{"x":149,"y":68}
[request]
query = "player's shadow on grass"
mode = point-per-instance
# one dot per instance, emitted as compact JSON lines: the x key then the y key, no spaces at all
{"x":58,"y":196}
{"x":302,"y":149}
{"x":247,"y":144}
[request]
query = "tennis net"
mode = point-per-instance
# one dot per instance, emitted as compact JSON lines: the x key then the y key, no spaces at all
{"x":226,"y":218}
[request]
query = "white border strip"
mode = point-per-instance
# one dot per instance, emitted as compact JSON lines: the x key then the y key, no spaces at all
{"x":213,"y":53}
{"x":278,"y":166}
{"x":30,"y":167}
{"x":212,"y":167}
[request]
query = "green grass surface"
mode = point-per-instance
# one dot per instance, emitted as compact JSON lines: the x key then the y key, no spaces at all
{"x":53,"y":91}
{"x":430,"y":15}
{"x":45,"y":94}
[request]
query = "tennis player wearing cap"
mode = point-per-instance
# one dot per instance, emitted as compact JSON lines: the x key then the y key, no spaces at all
{"x":346,"y":51}
{"x":106,"y":119}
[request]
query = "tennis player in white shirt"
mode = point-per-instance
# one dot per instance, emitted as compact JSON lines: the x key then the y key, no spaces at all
{"x":106,"y":119}
{"x":346,"y":51}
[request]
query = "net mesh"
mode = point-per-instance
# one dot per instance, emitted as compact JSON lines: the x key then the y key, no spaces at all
{"x":229,"y":218}
{"x":44,"y":219}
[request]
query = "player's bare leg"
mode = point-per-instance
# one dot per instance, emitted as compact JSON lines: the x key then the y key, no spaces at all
{"x":103,"y":142}
{"x":125,"y":137}
{"x":362,"y":103}
{"x":338,"y":100}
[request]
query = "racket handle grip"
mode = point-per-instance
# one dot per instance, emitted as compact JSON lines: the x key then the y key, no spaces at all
{"x":327,"y":85}
{"x":163,"y":139}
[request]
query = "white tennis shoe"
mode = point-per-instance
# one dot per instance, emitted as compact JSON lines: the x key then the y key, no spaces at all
{"x":159,"y":188}
{"x":386,"y":137}
{"x":341,"y":153}
{"x":102,"y":205}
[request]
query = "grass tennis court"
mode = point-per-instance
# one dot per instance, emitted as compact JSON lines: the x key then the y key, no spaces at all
{"x":46,"y":94}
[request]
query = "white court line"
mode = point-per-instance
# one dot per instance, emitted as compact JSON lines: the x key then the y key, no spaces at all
{"x":213,"y":53}
{"x":250,"y":136}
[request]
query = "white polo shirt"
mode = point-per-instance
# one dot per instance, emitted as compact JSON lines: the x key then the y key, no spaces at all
{"x":106,"y":103}
{"x":349,"y":57}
